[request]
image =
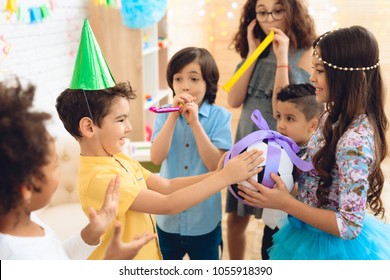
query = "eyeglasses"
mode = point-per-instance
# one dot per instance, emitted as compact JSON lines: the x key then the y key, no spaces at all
{"x":262,"y":16}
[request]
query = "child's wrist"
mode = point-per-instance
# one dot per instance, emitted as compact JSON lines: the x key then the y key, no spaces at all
{"x":283,"y":66}
{"x":195,"y":124}
{"x":89,"y":236}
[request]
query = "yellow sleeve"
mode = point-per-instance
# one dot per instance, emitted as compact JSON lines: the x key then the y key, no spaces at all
{"x":128,"y":191}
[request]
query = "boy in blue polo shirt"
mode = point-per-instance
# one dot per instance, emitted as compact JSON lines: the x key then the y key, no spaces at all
{"x":191,"y":142}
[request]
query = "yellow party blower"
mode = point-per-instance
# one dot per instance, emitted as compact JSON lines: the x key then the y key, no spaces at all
{"x":249,"y":61}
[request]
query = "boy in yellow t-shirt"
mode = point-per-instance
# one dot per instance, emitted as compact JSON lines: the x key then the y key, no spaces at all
{"x":94,"y":171}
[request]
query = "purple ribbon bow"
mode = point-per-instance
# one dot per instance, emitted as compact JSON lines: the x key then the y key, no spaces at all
{"x":275,"y":142}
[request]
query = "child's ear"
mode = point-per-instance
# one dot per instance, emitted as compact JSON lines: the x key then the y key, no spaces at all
{"x":26,"y":193}
{"x":313,"y":125}
{"x":86,"y":127}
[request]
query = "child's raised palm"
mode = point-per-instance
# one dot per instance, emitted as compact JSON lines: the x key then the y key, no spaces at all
{"x":118,"y":250}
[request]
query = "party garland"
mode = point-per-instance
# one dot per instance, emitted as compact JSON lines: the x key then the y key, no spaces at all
{"x":29,"y":14}
{"x":107,"y":3}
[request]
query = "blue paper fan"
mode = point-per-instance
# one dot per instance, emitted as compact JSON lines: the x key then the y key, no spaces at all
{"x":142,"y":13}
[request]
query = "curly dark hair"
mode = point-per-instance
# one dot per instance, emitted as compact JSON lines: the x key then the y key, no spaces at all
{"x":300,"y":27}
{"x":208,"y":66}
{"x":350,"y":94}
{"x":72,"y":106}
{"x":24,"y":143}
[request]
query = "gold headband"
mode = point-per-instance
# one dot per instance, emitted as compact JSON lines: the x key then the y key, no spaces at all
{"x":338,"y":67}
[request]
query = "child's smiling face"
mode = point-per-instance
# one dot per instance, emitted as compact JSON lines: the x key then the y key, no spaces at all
{"x":319,"y":80}
{"x":115,"y":126}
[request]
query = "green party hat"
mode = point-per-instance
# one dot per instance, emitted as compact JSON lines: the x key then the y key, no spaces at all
{"x":91,"y":71}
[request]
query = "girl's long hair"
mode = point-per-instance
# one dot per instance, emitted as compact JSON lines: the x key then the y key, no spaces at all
{"x":352,"y":93}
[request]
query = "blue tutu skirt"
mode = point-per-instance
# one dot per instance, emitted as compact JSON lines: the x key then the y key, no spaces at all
{"x":299,"y":241}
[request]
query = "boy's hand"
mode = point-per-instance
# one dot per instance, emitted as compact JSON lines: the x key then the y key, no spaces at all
{"x":117,"y":250}
{"x":189,"y":109}
{"x":242,"y":166}
{"x":191,"y":112}
{"x":101,"y":220}
{"x":181,"y":99}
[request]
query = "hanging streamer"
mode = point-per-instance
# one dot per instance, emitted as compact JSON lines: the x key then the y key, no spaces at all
{"x":5,"y":50}
{"x":35,"y":15}
{"x":53,"y":4}
{"x":44,"y":11}
{"x":100,"y":2}
{"x":107,"y":3}
{"x":7,"y":46}
{"x":11,"y":8}
{"x":111,"y":3}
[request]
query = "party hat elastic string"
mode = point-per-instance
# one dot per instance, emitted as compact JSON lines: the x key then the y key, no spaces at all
{"x":89,"y":108}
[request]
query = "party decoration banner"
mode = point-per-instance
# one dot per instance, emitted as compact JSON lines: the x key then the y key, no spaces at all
{"x":27,"y":13}
{"x":35,"y":15}
{"x":11,"y":6}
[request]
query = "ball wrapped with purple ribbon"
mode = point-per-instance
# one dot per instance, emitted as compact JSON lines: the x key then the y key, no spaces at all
{"x":279,"y":152}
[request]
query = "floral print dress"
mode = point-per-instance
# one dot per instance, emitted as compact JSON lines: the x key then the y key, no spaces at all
{"x":362,"y":236}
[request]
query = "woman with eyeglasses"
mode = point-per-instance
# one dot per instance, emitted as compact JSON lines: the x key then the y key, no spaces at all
{"x":286,"y":61}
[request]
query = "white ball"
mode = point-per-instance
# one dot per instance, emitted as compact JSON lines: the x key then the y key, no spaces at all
{"x":285,"y":169}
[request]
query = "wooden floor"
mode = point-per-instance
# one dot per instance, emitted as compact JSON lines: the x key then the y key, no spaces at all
{"x":255,"y":228}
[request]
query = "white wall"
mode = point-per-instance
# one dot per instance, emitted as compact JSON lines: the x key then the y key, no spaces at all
{"x":373,"y":14}
{"x":43,"y":53}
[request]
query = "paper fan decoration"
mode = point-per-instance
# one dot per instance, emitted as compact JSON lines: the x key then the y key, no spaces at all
{"x":142,"y":13}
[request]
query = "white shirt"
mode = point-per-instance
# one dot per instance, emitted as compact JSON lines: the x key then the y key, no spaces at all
{"x":47,"y":247}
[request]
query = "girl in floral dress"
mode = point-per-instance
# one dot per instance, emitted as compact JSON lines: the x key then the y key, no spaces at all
{"x":338,"y":212}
